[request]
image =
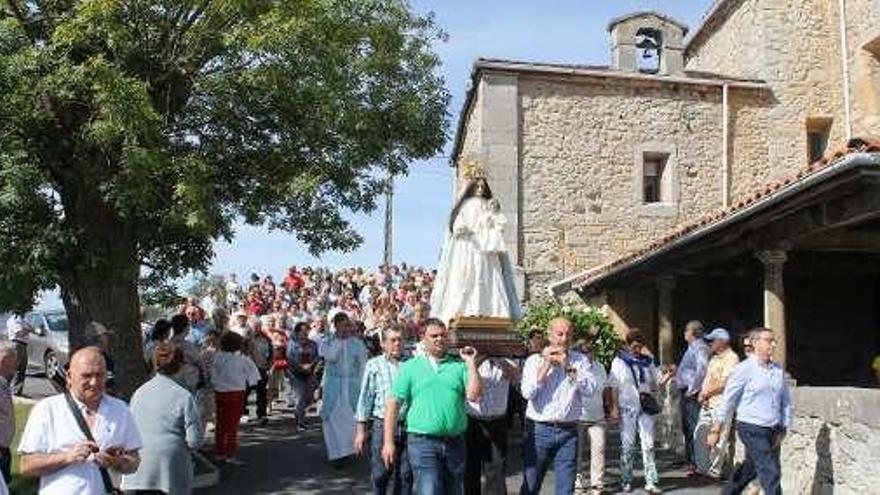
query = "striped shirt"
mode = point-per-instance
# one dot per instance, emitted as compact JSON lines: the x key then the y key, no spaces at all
{"x":379,"y":374}
{"x":560,"y":397}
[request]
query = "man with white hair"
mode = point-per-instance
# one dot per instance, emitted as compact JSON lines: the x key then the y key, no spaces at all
{"x":8,"y":366}
{"x":757,"y":393}
{"x":17,"y":331}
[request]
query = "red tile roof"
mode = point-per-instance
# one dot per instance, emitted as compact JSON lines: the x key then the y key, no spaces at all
{"x":855,"y":145}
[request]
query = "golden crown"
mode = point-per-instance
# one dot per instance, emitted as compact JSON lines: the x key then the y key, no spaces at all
{"x":472,"y":168}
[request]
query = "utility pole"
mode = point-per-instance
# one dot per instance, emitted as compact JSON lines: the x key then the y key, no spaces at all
{"x":389,"y":219}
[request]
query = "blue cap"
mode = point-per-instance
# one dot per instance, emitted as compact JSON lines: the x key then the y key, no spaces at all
{"x":718,"y":334}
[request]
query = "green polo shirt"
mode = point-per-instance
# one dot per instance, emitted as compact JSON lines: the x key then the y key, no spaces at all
{"x":435,"y":396}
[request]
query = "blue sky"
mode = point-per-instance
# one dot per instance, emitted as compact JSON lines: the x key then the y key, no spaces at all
{"x":565,"y":31}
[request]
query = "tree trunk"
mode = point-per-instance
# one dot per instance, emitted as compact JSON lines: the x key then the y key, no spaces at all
{"x":99,"y":280}
{"x":108,"y":296}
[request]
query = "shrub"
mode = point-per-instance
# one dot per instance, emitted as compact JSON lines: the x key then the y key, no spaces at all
{"x":589,"y":323}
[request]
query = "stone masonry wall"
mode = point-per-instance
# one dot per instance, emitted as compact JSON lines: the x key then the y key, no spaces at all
{"x":579,"y":141}
{"x":863,"y":32}
{"x":793,"y":45}
{"x":736,"y":48}
{"x":832,"y":444}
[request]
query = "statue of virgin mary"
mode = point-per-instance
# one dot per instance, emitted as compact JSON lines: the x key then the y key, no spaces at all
{"x":475,"y":275}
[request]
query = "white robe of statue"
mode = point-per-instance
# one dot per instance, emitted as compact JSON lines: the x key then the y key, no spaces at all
{"x":475,"y":277}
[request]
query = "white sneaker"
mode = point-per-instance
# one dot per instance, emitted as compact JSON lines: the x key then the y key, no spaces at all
{"x":653,"y":489}
{"x":627,"y":488}
{"x":244,"y":420}
{"x":580,"y":484}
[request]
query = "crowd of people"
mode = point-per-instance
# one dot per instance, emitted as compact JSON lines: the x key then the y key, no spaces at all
{"x":432,"y":420}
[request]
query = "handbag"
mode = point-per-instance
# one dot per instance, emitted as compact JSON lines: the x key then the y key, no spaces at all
{"x":647,"y":401}
{"x":84,"y":428}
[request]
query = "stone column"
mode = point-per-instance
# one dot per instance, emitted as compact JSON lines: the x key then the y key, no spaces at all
{"x":774,"y":298}
{"x":665,"y":341}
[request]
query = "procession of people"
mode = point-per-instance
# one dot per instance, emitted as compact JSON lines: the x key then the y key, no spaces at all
{"x":370,"y":355}
{"x":432,"y":420}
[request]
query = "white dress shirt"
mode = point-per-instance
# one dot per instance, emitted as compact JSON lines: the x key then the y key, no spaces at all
{"x":493,"y":403}
{"x":560,"y":397}
{"x":233,"y":371}
{"x":51,"y":428}
{"x":621,"y":378}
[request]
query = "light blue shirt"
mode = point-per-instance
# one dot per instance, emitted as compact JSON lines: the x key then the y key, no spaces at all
{"x":692,"y":369}
{"x":759,"y":395}
{"x":379,"y":374}
{"x":560,"y":397}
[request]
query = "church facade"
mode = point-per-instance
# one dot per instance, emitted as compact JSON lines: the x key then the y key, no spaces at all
{"x":603,"y":171}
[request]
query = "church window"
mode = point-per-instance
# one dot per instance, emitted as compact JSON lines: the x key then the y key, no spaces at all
{"x":655,"y":181}
{"x":818,"y":130}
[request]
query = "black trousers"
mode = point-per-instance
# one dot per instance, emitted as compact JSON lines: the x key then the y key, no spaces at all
{"x":21,"y":371}
{"x":486,"y":454}
{"x":6,"y":464}
{"x":262,"y":396}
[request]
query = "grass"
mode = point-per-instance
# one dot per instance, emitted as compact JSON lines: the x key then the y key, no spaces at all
{"x":21,"y":485}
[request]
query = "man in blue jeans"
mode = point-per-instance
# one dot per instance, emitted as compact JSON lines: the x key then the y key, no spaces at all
{"x":555,"y":383}
{"x":434,"y":386}
{"x":757,"y":391}
{"x":379,"y":374}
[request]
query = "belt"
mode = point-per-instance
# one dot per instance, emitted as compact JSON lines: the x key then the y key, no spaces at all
{"x":442,"y":438}
{"x":557,"y":424}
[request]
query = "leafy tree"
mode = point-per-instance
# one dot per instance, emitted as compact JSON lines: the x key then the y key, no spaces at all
{"x":134,"y":133}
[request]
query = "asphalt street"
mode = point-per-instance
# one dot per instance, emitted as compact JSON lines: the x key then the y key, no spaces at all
{"x":281,"y":460}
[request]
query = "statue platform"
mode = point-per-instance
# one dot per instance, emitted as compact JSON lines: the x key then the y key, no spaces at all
{"x":489,"y":335}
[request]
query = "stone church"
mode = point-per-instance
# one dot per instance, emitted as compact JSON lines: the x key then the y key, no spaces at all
{"x":724,"y":174}
{"x":696,"y":176}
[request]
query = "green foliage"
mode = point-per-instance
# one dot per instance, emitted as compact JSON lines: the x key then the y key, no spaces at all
{"x":589,"y":323}
{"x":142,"y":130}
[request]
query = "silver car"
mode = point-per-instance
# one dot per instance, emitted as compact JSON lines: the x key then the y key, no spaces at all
{"x":47,"y":344}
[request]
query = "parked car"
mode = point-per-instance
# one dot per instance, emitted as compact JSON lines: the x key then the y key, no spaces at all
{"x":48,"y":346}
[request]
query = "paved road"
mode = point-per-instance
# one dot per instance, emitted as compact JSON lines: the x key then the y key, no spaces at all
{"x":36,"y":386}
{"x":282,"y":461}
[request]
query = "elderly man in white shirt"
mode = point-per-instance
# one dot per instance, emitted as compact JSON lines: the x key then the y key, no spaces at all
{"x":68,"y":459}
{"x":487,"y":428}
{"x":592,"y":429}
{"x":555,"y":384}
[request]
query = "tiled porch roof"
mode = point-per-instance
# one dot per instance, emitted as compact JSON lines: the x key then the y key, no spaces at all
{"x":710,"y":220}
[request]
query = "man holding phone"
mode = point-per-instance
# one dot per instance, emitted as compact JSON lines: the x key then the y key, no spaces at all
{"x":555,"y":382}
{"x":434,"y":386}
{"x":73,"y":451}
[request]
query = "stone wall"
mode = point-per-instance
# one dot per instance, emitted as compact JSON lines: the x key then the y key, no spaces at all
{"x":581,"y":205}
{"x":832,"y":444}
{"x":793,"y":45}
{"x":735,"y":47}
{"x":863,"y":33}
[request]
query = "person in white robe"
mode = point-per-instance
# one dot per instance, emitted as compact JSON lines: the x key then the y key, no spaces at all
{"x":475,"y":275}
{"x":345,"y":357}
